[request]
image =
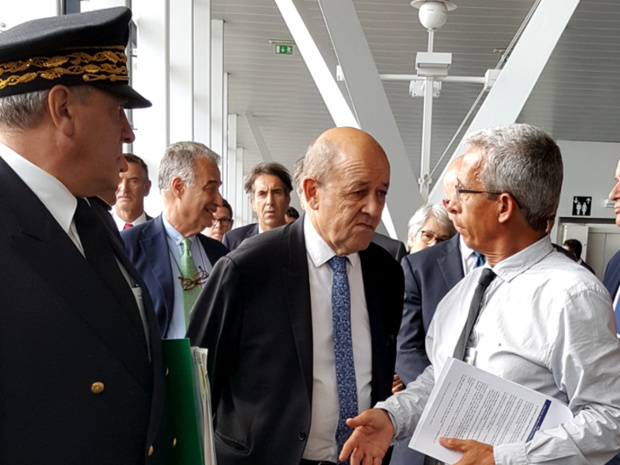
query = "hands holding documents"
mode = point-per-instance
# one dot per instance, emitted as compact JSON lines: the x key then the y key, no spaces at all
{"x":474,"y":452}
{"x":370,"y":440}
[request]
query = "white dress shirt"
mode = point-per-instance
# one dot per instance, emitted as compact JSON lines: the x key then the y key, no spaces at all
{"x":120,"y":223}
{"x":322,"y":437}
{"x":545,"y":323}
{"x":174,"y":238}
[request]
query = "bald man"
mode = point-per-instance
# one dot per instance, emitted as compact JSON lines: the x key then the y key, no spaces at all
{"x":266,"y":315}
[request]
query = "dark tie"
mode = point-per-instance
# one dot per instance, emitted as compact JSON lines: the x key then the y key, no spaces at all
{"x":486,"y":277}
{"x":480,"y":260}
{"x":128,"y":225}
{"x":343,"y":349}
{"x":100,"y":255}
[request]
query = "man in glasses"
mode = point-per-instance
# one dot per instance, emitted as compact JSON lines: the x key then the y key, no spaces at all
{"x":429,"y":276}
{"x":222,"y":222}
{"x":172,"y":256}
{"x":543,"y":321}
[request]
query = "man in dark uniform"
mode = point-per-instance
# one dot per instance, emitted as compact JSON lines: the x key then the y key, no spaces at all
{"x":81,"y":375}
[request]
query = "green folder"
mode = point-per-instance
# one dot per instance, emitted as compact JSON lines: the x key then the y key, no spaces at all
{"x":182,"y":394}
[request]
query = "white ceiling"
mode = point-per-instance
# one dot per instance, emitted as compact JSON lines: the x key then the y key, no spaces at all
{"x":576,"y":98}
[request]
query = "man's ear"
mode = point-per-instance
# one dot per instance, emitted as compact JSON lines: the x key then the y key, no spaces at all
{"x":61,"y":107}
{"x":311,"y":193}
{"x":177,"y":187}
{"x":148,"y":188}
{"x":506,"y":207}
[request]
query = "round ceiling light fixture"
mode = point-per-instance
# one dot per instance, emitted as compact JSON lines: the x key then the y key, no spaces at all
{"x":433,"y":13}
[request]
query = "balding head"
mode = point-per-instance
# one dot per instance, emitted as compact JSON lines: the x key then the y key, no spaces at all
{"x":346,"y":175}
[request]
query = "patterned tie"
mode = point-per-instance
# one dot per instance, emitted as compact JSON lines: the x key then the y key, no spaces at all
{"x":480,"y":260}
{"x":617,"y":312}
{"x":343,"y":349}
{"x":127,"y":226}
{"x":485,"y":279}
{"x":188,"y":271}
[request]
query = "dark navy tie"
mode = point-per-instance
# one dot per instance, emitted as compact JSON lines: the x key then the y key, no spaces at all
{"x":480,"y":260}
{"x":617,"y":312}
{"x":343,"y":348}
{"x":483,"y":282}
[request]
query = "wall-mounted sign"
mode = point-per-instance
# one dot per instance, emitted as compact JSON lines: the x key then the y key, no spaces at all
{"x":284,"y":49}
{"x":582,"y":206}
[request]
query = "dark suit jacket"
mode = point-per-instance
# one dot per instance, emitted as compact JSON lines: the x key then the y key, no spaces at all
{"x":255,"y":318}
{"x":147,"y":247}
{"x":394,"y":247}
{"x":232,"y":239}
{"x":61,"y":330}
{"x":429,"y":275}
{"x":611,"y":280}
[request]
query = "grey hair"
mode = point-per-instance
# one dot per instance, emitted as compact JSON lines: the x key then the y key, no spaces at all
{"x":319,"y":160}
{"x":525,"y":162}
{"x":180,"y":161}
{"x":24,"y":111}
{"x":422,"y":214}
{"x":298,"y":177}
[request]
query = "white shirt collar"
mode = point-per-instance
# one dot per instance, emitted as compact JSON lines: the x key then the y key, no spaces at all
{"x":318,"y":250}
{"x":51,"y":192}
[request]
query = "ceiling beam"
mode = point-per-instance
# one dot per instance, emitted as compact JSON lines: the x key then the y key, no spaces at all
{"x":526,"y":63}
{"x":258,"y":138}
{"x":371,"y":106}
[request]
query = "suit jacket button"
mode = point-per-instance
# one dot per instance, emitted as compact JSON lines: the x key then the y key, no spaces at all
{"x":97,"y":387}
{"x":174,"y":442}
{"x":302,"y":436}
{"x":150,"y":451}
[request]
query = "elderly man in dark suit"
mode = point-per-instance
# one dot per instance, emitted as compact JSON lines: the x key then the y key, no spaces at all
{"x":162,"y":249}
{"x":82,"y":377}
{"x":301,"y":323}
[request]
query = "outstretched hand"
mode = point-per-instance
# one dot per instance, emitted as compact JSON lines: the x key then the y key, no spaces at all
{"x":370,"y":440}
{"x":474,"y":452}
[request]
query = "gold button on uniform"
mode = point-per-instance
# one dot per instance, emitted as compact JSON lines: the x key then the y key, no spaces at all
{"x":174,"y":442}
{"x":97,"y":387}
{"x":150,"y":451}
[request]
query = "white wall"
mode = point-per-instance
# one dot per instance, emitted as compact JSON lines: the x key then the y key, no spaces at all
{"x":589,"y":169}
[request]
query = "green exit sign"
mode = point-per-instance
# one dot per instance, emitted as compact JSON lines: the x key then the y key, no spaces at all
{"x":284,"y":49}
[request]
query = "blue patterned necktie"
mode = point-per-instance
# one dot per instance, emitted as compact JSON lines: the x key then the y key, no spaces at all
{"x":480,"y":260}
{"x":343,"y":349}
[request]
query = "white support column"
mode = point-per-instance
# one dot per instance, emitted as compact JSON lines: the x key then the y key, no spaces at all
{"x":258,"y":138}
{"x":202,"y":71}
{"x":231,"y":185}
{"x":151,"y":79}
{"x":217,"y":86}
{"x":519,"y":76}
{"x":372,"y":107}
{"x":181,"y":70}
{"x":300,"y":24}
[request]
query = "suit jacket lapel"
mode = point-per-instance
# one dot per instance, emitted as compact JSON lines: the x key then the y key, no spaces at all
{"x":54,"y":259}
{"x":380,"y":341}
{"x":155,"y":248}
{"x":297,"y":291}
{"x":450,"y":264}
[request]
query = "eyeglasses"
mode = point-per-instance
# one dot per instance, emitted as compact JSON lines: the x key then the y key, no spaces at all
{"x":429,"y":238}
{"x":461,"y":190}
{"x":199,"y":279}
{"x":222,"y":221}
